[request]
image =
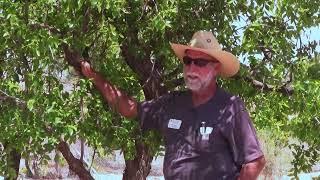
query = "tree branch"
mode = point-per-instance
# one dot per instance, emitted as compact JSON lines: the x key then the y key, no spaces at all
{"x":47,"y":27}
{"x":86,"y":19}
{"x":4,"y":97}
{"x":72,"y":57}
{"x":286,"y":89}
{"x":74,"y":164}
{"x":171,"y":84}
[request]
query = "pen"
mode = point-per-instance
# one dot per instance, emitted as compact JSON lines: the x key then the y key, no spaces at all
{"x":203,"y":127}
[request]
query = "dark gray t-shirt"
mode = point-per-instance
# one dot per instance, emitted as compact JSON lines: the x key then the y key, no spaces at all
{"x":210,"y":141}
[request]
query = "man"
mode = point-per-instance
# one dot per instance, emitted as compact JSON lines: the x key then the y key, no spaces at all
{"x":207,"y":132}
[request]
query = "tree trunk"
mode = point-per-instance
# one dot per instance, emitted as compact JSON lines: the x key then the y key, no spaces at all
{"x":82,"y":149}
{"x":151,"y":80}
{"x":13,"y":163}
{"x":139,"y":167}
{"x":74,"y":164}
{"x":29,"y":173}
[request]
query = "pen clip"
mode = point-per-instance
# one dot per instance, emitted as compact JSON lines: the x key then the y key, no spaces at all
{"x":203,"y":128}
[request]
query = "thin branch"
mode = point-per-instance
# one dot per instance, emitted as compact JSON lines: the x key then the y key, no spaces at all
{"x":73,"y":57}
{"x":26,"y":12}
{"x":86,"y":19}
{"x":155,"y":5}
{"x":6,"y":97}
{"x":173,"y":73}
{"x":172,"y":84}
{"x":47,"y":27}
{"x":267,"y":53}
{"x":148,"y":3}
{"x":92,"y":159}
{"x":151,"y":73}
{"x":286,"y":89}
{"x":242,"y":27}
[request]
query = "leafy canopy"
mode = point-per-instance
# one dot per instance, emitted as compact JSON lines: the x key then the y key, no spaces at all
{"x":42,"y":101}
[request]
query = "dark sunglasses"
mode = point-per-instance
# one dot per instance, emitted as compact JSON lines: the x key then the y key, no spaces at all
{"x":200,"y":62}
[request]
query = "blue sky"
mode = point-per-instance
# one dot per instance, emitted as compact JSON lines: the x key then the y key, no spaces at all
{"x":312,"y":34}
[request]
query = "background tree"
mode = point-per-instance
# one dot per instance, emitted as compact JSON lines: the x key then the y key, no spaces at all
{"x":46,"y":106}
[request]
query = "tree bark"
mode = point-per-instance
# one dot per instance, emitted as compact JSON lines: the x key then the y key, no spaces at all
{"x":149,"y":73}
{"x":74,"y":164}
{"x":29,"y":173}
{"x":140,"y":166}
{"x":13,"y":162}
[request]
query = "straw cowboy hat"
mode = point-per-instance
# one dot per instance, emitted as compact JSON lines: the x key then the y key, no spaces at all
{"x":205,"y":42}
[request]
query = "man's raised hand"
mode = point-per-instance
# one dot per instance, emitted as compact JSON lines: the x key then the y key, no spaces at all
{"x":86,"y":69}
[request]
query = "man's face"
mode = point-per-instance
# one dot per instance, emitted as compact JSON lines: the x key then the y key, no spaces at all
{"x":199,"y":70}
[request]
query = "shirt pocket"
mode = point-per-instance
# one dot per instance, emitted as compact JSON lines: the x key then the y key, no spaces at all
{"x":207,"y":141}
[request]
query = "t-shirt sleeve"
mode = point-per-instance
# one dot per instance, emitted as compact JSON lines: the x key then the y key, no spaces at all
{"x":241,"y":134}
{"x":149,"y":112}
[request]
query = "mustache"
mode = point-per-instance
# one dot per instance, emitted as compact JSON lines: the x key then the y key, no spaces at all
{"x":193,"y":75}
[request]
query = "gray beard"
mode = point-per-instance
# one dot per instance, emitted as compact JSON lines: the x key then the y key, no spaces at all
{"x":198,"y":84}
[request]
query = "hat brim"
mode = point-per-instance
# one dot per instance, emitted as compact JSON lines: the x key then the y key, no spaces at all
{"x":229,"y":63}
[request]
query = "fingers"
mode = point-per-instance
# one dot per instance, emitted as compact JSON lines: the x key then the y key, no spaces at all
{"x":84,"y":64}
{"x":86,"y":69}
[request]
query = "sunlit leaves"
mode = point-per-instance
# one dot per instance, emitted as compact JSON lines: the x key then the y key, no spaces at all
{"x":266,"y":34}
{"x":305,"y":156}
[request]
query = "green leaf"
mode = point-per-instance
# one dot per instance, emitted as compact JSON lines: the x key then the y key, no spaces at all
{"x":30,"y":104}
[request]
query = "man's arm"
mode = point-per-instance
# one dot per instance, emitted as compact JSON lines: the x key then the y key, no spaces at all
{"x":118,"y":100}
{"x":251,"y":170}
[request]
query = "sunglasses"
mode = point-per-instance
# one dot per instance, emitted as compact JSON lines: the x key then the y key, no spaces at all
{"x":200,"y":62}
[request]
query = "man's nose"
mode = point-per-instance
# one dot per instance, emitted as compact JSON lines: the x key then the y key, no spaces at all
{"x":192,"y":67}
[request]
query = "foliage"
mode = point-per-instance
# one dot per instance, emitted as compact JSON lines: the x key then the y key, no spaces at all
{"x":46,"y":102}
{"x":278,"y":156}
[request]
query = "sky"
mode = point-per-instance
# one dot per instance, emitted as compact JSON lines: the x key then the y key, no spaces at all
{"x":312,"y":34}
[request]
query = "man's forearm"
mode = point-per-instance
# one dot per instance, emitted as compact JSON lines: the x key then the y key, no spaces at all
{"x":251,"y":171}
{"x":117,"y":99}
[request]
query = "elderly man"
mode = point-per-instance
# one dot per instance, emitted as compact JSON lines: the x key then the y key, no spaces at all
{"x":207,"y":132}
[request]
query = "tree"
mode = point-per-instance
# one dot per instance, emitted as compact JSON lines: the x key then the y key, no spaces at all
{"x":127,"y":41}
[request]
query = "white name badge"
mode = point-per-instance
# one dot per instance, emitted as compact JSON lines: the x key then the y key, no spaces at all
{"x":174,"y":124}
